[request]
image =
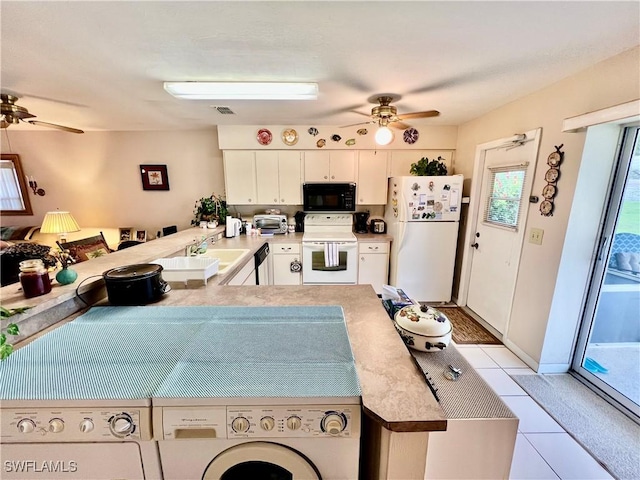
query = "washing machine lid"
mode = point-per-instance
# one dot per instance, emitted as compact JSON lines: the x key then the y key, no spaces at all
{"x":260,"y":460}
{"x":95,"y":361}
{"x":267,"y":352}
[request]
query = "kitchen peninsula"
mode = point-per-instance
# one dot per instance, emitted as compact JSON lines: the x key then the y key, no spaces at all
{"x":399,"y":408}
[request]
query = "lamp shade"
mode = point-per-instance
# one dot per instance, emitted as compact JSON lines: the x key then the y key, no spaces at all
{"x":59,"y":222}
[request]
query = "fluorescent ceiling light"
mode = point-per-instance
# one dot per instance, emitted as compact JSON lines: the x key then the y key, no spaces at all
{"x":242,"y":90}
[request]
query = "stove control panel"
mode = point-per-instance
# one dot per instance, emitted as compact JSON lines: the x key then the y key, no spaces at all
{"x":308,"y":421}
{"x":74,"y":425}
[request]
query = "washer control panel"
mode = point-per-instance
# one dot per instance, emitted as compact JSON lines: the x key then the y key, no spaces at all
{"x":309,"y":421}
{"x":70,"y":425}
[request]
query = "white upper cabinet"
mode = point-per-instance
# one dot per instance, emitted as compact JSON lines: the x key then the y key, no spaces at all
{"x":401,"y":160}
{"x":279,"y":177}
{"x":240,"y":177}
{"x":267,"y":177}
{"x":372,"y":178}
{"x":330,"y":166}
{"x":290,"y":177}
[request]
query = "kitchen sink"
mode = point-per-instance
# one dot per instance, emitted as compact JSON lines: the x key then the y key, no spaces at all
{"x":227,"y":257}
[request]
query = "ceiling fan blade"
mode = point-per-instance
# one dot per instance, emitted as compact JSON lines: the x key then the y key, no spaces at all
{"x":53,"y":125}
{"x":399,"y":125}
{"x":354,"y":124}
{"x":427,"y":114}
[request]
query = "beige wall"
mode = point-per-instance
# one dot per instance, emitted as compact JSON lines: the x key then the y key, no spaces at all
{"x":96,"y":175}
{"x":608,"y":83}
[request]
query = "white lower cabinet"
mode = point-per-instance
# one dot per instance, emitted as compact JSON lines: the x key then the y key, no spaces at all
{"x":373,"y":264}
{"x":246,"y":275}
{"x":283,"y":255}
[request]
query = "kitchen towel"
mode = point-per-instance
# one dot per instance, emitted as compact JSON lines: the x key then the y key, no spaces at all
{"x":331,"y":258}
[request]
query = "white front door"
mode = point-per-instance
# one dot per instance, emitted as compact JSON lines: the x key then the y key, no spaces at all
{"x":496,"y":241}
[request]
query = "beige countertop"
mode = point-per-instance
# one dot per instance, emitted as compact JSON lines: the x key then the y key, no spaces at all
{"x":394,"y":392}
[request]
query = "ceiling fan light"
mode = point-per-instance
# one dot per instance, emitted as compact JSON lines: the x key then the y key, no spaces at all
{"x":384,"y":136}
{"x":242,"y":90}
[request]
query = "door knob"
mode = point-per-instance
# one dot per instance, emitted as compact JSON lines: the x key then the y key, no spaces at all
{"x":475,"y":245}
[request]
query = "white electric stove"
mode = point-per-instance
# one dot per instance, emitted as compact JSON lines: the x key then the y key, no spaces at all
{"x":329,"y":249}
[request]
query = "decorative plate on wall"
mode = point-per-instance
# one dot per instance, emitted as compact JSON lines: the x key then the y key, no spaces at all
{"x":264,"y":136}
{"x":410,"y":135}
{"x":290,"y":136}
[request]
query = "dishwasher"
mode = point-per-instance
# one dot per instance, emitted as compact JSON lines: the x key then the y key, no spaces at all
{"x":262,"y":265}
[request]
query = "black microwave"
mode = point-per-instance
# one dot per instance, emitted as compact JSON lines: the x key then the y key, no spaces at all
{"x":329,"y":197}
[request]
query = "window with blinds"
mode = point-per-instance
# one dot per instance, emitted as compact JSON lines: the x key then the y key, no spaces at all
{"x":505,"y":196}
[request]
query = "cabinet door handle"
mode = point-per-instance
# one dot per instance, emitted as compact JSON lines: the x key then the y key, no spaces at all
{"x":373,"y":248}
{"x":282,"y":200}
{"x":275,"y":200}
{"x":362,"y":259}
{"x":333,"y":177}
{"x":325,"y":177}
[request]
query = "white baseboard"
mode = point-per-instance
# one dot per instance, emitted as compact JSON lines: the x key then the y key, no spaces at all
{"x":521,"y":355}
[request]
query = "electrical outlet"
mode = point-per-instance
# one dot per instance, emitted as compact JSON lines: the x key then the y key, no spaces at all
{"x":535,"y":236}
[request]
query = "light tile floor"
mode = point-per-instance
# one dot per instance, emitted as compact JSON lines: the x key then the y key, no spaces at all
{"x":543,"y":449}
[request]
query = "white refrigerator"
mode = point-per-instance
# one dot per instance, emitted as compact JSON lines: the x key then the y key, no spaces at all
{"x":422,"y":215}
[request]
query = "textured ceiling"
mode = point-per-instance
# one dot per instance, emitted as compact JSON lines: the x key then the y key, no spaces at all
{"x":100,"y":65}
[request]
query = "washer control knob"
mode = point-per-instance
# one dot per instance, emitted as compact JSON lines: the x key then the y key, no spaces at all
{"x":333,"y":423}
{"x":26,"y":425}
{"x":56,"y":425}
{"x":240,"y":425}
{"x":267,"y":423}
{"x":294,"y":422}
{"x":121,"y":425}
{"x":86,"y":425}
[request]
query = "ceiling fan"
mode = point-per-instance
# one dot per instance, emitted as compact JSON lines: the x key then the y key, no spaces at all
{"x":386,"y":115}
{"x":10,"y":113}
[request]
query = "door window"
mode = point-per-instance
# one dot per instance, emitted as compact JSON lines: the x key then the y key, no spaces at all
{"x":505,"y":196}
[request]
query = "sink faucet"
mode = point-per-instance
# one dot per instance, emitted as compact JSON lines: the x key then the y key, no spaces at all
{"x":199,"y":246}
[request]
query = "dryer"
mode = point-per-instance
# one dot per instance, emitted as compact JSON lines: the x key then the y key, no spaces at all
{"x":75,"y":406}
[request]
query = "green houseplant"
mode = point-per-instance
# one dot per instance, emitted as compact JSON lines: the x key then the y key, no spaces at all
{"x":429,"y":168}
{"x":10,"y":329}
{"x":208,"y":209}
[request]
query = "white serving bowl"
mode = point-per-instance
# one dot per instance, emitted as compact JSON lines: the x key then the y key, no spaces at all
{"x":423,"y":328}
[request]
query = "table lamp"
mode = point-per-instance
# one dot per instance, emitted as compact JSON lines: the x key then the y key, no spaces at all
{"x":60,"y":223}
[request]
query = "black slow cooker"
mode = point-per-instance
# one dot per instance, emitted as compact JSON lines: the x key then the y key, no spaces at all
{"x":135,"y":284}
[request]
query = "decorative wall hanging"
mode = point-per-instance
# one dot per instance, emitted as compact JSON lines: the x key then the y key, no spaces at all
{"x":154,"y":177}
{"x":313,"y":131}
{"x":321,"y":143}
{"x":551,"y":177}
{"x":362,"y":131}
{"x":335,"y":137}
{"x":264,"y":136}
{"x":410,"y":135}
{"x":350,"y":142}
{"x":290,"y":136}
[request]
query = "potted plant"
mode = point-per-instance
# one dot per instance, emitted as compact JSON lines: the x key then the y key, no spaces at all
{"x":429,"y":168}
{"x":10,"y":329}
{"x":208,"y":209}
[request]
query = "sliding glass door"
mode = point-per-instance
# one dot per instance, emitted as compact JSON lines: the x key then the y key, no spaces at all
{"x":608,"y":352}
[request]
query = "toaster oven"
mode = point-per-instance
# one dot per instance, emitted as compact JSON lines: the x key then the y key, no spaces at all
{"x":270,"y":223}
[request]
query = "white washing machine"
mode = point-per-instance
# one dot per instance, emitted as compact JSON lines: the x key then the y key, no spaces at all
{"x":262,"y":392}
{"x":309,"y":442}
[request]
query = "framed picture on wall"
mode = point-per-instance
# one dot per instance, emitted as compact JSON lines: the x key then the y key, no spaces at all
{"x":141,"y":235}
{"x":154,"y":177}
{"x":125,"y":234}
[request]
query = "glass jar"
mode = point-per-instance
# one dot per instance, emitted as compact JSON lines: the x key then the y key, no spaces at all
{"x":34,"y":278}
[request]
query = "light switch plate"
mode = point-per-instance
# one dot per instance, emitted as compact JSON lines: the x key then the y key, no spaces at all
{"x":535,"y":236}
